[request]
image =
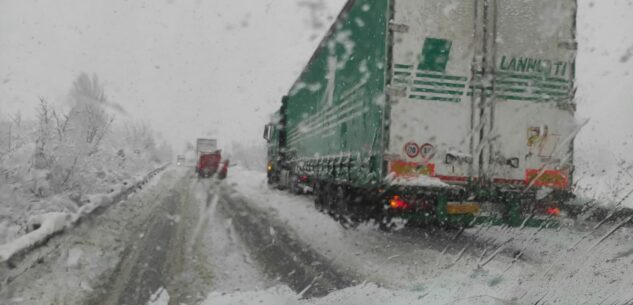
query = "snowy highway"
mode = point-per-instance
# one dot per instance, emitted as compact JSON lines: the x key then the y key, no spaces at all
{"x":352,"y":152}
{"x":154,"y":261}
{"x":184,"y":240}
{"x":176,"y":240}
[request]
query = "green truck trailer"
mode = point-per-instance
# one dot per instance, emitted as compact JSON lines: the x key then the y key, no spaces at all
{"x":444,"y":111}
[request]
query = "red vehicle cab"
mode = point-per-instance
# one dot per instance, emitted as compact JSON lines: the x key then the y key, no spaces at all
{"x":211,"y":163}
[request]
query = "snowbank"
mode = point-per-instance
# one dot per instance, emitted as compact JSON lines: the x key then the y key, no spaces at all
{"x":274,"y":295}
{"x":46,"y":225}
{"x":159,"y":297}
{"x":364,"y":294}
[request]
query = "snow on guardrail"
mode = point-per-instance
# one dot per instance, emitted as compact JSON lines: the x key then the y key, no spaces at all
{"x":46,"y":225}
{"x":43,"y":227}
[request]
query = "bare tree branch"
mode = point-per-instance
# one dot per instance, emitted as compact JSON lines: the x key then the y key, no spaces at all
{"x":61,"y":124}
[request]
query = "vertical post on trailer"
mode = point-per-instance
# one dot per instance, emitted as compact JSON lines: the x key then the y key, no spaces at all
{"x":513,"y":205}
{"x":441,"y":208}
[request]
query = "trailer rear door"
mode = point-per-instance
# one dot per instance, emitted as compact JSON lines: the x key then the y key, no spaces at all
{"x":531,"y":94}
{"x":431,"y":115}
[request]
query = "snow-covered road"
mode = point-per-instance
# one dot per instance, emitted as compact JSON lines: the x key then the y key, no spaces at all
{"x":182,"y":240}
{"x":162,"y":256}
{"x":283,"y":256}
{"x":574,"y":264}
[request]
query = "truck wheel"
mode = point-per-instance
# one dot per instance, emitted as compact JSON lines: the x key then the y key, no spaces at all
{"x":385,"y":221}
{"x":293,"y":185}
{"x":273,"y":179}
{"x":329,"y":191}
{"x":339,"y":200}
{"x":341,"y":207}
{"x":319,"y":196}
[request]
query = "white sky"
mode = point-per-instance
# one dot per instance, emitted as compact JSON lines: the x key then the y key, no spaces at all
{"x":188,"y":67}
{"x":184,"y":67}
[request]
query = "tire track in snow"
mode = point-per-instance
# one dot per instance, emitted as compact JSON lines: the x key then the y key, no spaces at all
{"x":282,"y":256}
{"x":162,"y":257}
{"x":143,"y":268}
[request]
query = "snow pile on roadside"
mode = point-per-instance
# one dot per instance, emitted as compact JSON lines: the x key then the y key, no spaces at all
{"x":364,"y":294}
{"x":76,"y":267}
{"x":159,"y":297}
{"x":46,"y":224}
{"x":278,"y":295}
{"x":27,"y":193}
{"x":368,"y":294}
{"x":43,"y":226}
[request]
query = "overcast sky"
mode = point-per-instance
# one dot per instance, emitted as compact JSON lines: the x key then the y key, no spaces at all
{"x":190,"y":67}
{"x":184,"y":67}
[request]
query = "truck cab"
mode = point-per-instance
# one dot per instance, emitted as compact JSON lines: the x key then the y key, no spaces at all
{"x":180,"y":160}
{"x":271,"y":135}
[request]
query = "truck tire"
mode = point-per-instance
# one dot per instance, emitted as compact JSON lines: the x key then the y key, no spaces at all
{"x":340,"y":200}
{"x":341,"y":208}
{"x":294,"y":185}
{"x":385,"y":223}
{"x":330,"y":197}
{"x":319,"y":196}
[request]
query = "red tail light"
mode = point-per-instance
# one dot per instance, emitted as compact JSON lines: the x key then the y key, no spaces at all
{"x":303,"y":178}
{"x":397,"y":203}
{"x":553,"y":211}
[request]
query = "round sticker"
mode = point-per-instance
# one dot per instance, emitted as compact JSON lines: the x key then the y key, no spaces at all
{"x":411,"y":149}
{"x":426,"y":150}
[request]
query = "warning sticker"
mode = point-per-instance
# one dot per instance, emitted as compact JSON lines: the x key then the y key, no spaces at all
{"x":547,"y":178}
{"x":411,"y":169}
{"x":411,"y":149}
{"x":426,"y":151}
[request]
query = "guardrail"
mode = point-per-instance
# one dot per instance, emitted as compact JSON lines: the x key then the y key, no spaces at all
{"x":58,"y":223}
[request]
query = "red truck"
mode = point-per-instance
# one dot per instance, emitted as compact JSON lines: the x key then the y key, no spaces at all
{"x":210,"y":159}
{"x":211,"y":163}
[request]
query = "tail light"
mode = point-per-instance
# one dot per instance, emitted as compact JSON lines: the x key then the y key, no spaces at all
{"x":303,"y":178}
{"x":552,"y":211}
{"x":397,"y":203}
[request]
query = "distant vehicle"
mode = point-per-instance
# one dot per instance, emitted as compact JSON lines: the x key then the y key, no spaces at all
{"x":209,"y":159}
{"x":180,"y":160}
{"x":210,"y":164}
{"x":432,"y":113}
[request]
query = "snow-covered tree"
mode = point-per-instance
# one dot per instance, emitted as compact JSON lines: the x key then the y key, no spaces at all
{"x":67,"y":143}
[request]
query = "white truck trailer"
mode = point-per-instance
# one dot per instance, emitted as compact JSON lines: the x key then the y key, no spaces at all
{"x":435,"y":107}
